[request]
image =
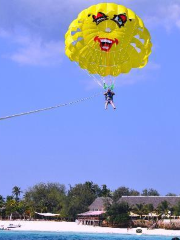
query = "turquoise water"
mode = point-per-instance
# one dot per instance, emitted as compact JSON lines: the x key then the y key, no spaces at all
{"x":72,"y":236}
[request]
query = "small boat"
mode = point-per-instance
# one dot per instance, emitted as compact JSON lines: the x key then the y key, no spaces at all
{"x":3,"y":228}
{"x":13,"y":226}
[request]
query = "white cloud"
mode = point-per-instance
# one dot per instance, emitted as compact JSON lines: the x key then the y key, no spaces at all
{"x":51,"y":18}
{"x":174,"y":15}
{"x":33,"y":51}
{"x":166,"y":15}
{"x":38,"y":53}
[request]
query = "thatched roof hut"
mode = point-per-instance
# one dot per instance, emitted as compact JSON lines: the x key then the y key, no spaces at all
{"x":100,"y":203}
{"x":154,"y":200}
{"x":95,"y":215}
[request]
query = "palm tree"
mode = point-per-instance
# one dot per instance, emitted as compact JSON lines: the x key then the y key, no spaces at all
{"x":2,"y":208}
{"x":139,"y":209}
{"x":11,"y":206}
{"x":1,"y":201}
{"x":163,"y":208}
{"x":16,"y":191}
{"x":177,"y":209}
{"x":8,"y":198}
{"x":148,"y":208}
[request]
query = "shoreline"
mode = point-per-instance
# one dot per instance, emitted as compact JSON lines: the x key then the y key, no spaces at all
{"x":72,"y":227}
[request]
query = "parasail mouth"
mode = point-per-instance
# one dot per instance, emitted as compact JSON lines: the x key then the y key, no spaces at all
{"x":106,"y":43}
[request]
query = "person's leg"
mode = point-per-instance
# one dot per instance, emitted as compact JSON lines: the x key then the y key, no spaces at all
{"x":112,"y":103}
{"x":106,"y":104}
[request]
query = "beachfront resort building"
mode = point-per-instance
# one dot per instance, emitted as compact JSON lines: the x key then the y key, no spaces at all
{"x":95,"y":215}
{"x":154,"y":200}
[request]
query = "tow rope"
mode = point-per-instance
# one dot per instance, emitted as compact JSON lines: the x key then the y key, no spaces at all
{"x":49,"y":108}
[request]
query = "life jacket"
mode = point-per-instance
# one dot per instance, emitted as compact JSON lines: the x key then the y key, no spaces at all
{"x":109,"y":96}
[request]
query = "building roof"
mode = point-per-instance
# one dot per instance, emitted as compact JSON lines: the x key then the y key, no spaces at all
{"x":154,"y":200}
{"x":92,"y":213}
{"x":99,"y":203}
{"x":47,"y":214}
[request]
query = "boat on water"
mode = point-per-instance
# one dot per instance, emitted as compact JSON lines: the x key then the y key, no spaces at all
{"x":3,"y":228}
{"x":11,"y":225}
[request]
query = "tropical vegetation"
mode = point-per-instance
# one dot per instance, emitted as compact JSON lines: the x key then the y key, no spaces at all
{"x":56,"y":198}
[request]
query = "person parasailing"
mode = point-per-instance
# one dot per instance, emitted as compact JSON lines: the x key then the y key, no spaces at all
{"x":109,"y":94}
{"x":108,"y":40}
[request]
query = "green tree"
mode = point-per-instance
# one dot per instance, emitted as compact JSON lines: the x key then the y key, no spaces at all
{"x":2,"y":206}
{"x":148,"y":208}
{"x":94,"y":188}
{"x":171,"y":194}
{"x":177,"y":209}
{"x":105,"y":192}
{"x":9,"y":197}
{"x":11,"y":206}
{"x":118,"y":213}
{"x":44,"y":197}
{"x":79,"y":198}
{"x":121,"y":191}
{"x":16,"y":192}
{"x":150,"y":192}
{"x":164,"y":208}
{"x":1,"y":201}
{"x":21,"y":208}
{"x":124,"y":191}
{"x":134,"y":192}
{"x":139,"y":209}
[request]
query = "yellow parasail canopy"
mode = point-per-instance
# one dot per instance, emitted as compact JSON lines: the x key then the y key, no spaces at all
{"x":108,"y":39}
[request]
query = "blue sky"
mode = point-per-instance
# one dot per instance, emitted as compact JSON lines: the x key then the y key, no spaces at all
{"x":137,"y":145}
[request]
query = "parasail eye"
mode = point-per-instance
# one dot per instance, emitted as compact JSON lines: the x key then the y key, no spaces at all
{"x":120,"y":19}
{"x":99,"y":18}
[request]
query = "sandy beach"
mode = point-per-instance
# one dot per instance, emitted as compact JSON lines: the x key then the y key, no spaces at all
{"x":74,"y":227}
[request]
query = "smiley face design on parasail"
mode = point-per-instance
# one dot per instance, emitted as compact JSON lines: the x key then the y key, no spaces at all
{"x":106,"y":43}
{"x":108,"y":39}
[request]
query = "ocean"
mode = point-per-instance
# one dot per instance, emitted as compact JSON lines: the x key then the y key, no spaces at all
{"x":12,"y":235}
